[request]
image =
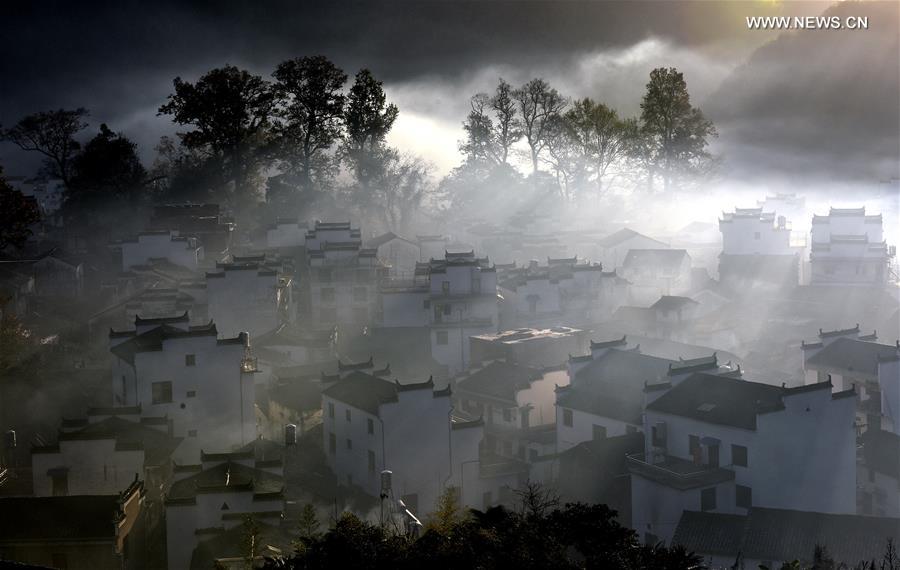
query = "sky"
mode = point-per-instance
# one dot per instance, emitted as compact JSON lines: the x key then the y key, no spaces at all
{"x":821,"y":104}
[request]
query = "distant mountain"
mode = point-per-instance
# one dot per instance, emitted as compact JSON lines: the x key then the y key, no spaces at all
{"x":817,"y":103}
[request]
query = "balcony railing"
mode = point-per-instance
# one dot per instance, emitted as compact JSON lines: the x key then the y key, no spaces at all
{"x":677,"y":472}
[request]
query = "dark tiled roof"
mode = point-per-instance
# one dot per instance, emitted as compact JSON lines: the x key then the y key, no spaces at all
{"x":881,"y":451}
{"x":776,"y":534}
{"x":152,"y":339}
{"x":363,"y":391}
{"x":604,"y":454}
{"x":852,"y":354}
{"x":720,"y":400}
{"x":226,"y":477}
{"x":672,"y":303}
{"x":500,"y":379}
{"x":667,"y":259}
{"x":80,"y":517}
{"x":157,"y":446}
{"x":620,"y":236}
{"x":708,"y":533}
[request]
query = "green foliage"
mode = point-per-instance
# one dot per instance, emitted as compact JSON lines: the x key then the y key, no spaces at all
{"x":539,"y":535}
{"x":676,"y":133}
{"x":231,"y":112}
{"x":17,"y":214}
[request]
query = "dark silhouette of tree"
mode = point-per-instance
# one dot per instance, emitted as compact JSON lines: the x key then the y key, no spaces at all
{"x":311,"y":108}
{"x":52,"y":134}
{"x":538,"y":104}
{"x":479,"y":144}
{"x":676,"y":133}
{"x":368,"y":119}
{"x":17,"y":214}
{"x":230,"y":111}
{"x":107,"y":167}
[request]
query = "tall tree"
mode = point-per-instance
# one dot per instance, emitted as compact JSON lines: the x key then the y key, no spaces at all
{"x":311,"y":112}
{"x":602,"y":138}
{"x":230,"y":111}
{"x":368,"y":119}
{"x":537,"y":103}
{"x":107,"y":167}
{"x":52,"y":134}
{"x":479,"y":144}
{"x":677,"y":133}
{"x":17,"y":214}
{"x":507,"y":126}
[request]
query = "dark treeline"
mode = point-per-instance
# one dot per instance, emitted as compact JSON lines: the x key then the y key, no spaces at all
{"x":311,"y":139}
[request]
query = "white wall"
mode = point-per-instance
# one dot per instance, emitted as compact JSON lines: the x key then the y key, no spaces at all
{"x":180,"y":251}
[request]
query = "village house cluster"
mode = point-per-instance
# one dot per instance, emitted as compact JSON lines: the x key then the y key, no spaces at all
{"x":688,"y":380}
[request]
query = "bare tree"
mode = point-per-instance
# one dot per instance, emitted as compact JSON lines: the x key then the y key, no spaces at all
{"x":536,"y":500}
{"x":507,"y":127}
{"x":538,"y":103}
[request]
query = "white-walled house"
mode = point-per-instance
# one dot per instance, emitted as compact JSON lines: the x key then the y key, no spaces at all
{"x":102,"y":454}
{"x":564,"y":291}
{"x":201,"y":384}
{"x":161,"y":244}
{"x":756,"y":247}
{"x":614,"y":248}
{"x":723,"y":445}
{"x":250,"y":295}
{"x":372,"y":425}
{"x":853,"y":361}
{"x":397,"y":253}
{"x":286,"y":233}
{"x":216,"y":495}
{"x":657,"y":272}
{"x":342,"y":289}
{"x":848,"y":248}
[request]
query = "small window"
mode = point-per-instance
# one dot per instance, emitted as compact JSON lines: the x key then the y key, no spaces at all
{"x":349,"y":443}
{"x":60,"y":481}
{"x":370,"y":426}
{"x":739,"y":455}
{"x":708,"y":499}
{"x":371,"y":461}
{"x":426,"y":304}
{"x":442,"y":338}
{"x":162,"y":392}
{"x":599,"y":432}
{"x":332,"y":444}
{"x":445,"y":287}
{"x":567,"y":417}
{"x":507,"y":415}
{"x":190,"y":359}
{"x":330,"y":409}
{"x":192,"y":433}
{"x":448,"y":309}
{"x":743,"y":496}
{"x":347,"y":414}
{"x":191,"y":393}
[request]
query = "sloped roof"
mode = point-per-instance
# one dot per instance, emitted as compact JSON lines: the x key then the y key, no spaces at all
{"x":225,"y":477}
{"x":152,"y":340}
{"x":363,"y":391}
{"x":621,"y":236}
{"x":157,"y":445}
{"x":607,"y":454}
{"x":672,"y":303}
{"x":783,"y":535}
{"x":668,"y":259}
{"x":500,"y":379}
{"x":852,"y":354}
{"x":708,"y":533}
{"x":379,"y":241}
{"x":720,"y":400}
{"x":78,"y":517}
